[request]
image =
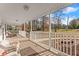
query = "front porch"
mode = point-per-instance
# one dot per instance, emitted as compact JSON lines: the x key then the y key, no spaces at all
{"x":29,"y":48}
{"x":39,"y":35}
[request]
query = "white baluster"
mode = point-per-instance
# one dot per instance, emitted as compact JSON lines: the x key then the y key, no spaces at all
{"x":75,"y":47}
{"x":70,"y":46}
{"x":18,"y":48}
{"x":63,"y":44}
{"x":60,"y":44}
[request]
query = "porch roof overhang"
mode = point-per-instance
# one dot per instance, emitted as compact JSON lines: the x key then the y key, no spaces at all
{"x":18,"y":13}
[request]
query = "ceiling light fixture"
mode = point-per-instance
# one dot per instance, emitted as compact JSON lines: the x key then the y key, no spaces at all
{"x":26,"y":7}
{"x":16,"y":20}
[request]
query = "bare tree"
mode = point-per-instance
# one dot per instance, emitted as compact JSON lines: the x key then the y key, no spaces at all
{"x":73,"y":24}
{"x":57,"y":19}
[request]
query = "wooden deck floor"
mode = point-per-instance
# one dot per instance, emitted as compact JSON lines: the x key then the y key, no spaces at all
{"x":29,"y":48}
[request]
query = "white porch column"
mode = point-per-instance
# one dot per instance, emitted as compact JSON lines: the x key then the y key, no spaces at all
{"x":6,"y":27}
{"x":3,"y":32}
{"x":49,"y":32}
{"x":31,"y":30}
{"x":24,"y":26}
{"x":31,"y":25}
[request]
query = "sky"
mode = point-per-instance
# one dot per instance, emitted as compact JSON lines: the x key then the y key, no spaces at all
{"x":71,"y":11}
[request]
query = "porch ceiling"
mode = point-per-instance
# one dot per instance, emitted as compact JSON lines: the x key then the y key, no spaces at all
{"x":18,"y":13}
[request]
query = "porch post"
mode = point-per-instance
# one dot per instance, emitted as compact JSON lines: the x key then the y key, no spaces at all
{"x":3,"y":32}
{"x":49,"y":33}
{"x":31,"y":30}
{"x":24,"y":26}
{"x":5,"y":28}
{"x":31,"y":25}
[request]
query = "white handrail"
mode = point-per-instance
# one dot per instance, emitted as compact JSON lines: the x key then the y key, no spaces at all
{"x":61,"y":40}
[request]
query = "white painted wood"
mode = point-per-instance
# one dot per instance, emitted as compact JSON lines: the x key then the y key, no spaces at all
{"x":49,"y":32}
{"x":60,"y":44}
{"x":67,"y":46}
{"x":22,"y":33}
{"x":63,"y":45}
{"x":31,"y":30}
{"x":70,"y":46}
{"x":75,"y":47}
{"x":24,"y":26}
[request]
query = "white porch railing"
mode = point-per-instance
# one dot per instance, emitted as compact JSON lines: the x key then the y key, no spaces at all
{"x":66,"y":42}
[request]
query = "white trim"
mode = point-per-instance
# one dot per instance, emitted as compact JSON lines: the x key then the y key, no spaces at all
{"x":49,"y":32}
{"x":30,"y":29}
